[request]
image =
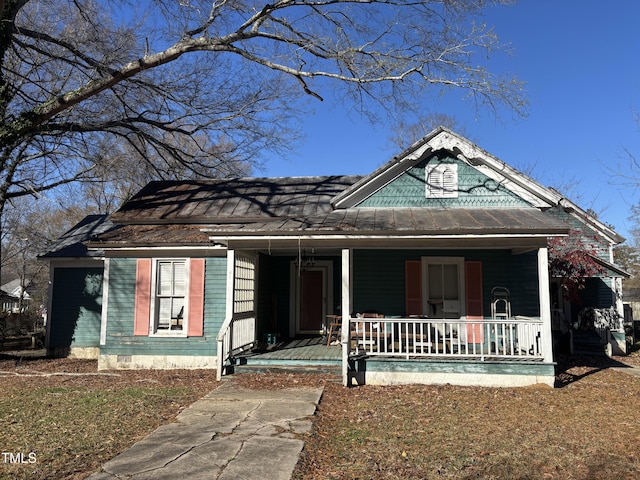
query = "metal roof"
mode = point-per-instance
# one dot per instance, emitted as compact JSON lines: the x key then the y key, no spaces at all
{"x":383,"y":222}
{"x":238,"y":200}
{"x":72,"y":243}
{"x":403,"y":220}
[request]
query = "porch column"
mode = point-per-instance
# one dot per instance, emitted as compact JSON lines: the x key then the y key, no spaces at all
{"x":345,"y":310}
{"x":545,"y":304}
{"x":221,"y":354}
{"x":618,"y":300}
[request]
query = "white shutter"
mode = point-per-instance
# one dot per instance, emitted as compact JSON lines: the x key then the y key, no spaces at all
{"x":449,"y":181}
{"x":441,"y":180}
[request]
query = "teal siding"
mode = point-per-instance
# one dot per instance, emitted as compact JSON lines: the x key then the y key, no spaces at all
{"x":120,"y":338}
{"x":454,"y":367}
{"x":215,"y":295}
{"x":588,"y":236}
{"x":379,"y":285}
{"x":476,"y":190}
{"x":597,"y":293}
{"x":76,"y":307}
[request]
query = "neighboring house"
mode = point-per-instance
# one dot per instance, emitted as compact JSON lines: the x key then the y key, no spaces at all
{"x":15,"y":296}
{"x":439,"y":258}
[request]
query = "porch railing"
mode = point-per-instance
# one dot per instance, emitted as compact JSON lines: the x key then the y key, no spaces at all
{"x":514,"y":338}
{"x":236,"y":334}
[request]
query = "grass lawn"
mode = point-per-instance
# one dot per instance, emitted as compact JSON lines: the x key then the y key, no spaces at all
{"x":588,"y":428}
{"x":71,"y":419}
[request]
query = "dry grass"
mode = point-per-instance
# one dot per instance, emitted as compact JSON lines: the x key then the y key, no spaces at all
{"x":71,"y":424}
{"x":588,"y":428}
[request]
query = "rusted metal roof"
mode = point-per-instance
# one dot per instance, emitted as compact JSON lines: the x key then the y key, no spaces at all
{"x":408,"y":220}
{"x":363,"y":221}
{"x":152,"y":235}
{"x":189,"y":213}
{"x":239,"y":200}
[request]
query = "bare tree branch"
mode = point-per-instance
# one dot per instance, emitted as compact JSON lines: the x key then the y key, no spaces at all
{"x":76,"y":73}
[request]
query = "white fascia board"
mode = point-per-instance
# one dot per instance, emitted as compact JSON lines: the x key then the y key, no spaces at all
{"x":610,"y":235}
{"x":502,"y":173}
{"x":347,"y":236}
{"x":383,"y":176}
{"x":396,"y":242}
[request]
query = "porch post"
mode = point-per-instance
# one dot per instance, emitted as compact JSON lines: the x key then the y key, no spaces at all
{"x":220,"y":353}
{"x":545,"y":304}
{"x":345,"y":310}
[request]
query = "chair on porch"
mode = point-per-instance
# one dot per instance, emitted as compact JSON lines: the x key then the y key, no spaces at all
{"x":501,"y":310}
{"x":367,"y":337}
{"x":335,"y":328}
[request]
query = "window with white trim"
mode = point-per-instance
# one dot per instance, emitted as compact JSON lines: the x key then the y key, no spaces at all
{"x":443,"y":286}
{"x":170,"y":296}
{"x":441,"y":180}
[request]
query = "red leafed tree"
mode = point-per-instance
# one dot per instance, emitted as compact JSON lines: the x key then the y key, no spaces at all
{"x":573,"y":259}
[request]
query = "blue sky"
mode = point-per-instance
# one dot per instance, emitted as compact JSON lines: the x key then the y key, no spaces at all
{"x":581,"y":63}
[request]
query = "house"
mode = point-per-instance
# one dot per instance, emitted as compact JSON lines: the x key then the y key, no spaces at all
{"x":434,"y":268}
{"x":15,"y":296}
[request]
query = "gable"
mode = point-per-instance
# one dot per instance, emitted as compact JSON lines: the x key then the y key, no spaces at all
{"x":473,"y":188}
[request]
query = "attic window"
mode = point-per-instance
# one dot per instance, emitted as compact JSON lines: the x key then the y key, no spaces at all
{"x":442,"y":180}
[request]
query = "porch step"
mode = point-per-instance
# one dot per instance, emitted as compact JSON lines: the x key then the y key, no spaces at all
{"x":588,"y":343}
{"x":327,"y":370}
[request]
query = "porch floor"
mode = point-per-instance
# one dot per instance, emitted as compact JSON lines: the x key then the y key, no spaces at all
{"x":297,"y":352}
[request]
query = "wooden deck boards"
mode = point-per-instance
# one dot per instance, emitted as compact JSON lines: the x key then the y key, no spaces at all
{"x":308,"y":350}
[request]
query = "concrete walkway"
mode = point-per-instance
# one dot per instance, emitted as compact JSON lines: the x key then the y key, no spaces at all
{"x":231,"y":433}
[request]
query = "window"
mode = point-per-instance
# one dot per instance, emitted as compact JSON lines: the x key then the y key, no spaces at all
{"x":169,"y":297}
{"x":171,"y":288}
{"x":442,"y":180}
{"x":444,"y":290}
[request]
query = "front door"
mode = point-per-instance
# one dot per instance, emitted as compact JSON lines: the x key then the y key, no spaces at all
{"x":312,"y":294}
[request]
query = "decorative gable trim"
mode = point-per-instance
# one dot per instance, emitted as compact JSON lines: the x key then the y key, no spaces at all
{"x":443,"y":139}
{"x":464,"y":150}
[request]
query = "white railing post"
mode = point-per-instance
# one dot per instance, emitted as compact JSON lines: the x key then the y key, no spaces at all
{"x":347,"y":264}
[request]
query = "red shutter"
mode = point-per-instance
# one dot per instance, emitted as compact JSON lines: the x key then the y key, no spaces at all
{"x":473,"y":287}
{"x":196,"y":298}
{"x":141,"y":316}
{"x":413,"y":287}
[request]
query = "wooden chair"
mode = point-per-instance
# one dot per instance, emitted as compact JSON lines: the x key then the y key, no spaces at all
{"x":335,"y":328}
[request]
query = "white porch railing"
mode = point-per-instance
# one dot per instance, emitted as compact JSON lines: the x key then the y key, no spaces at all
{"x":235,"y":334}
{"x":517,"y":338}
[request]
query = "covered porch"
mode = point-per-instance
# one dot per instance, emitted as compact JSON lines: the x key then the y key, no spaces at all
{"x":416,"y":315}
